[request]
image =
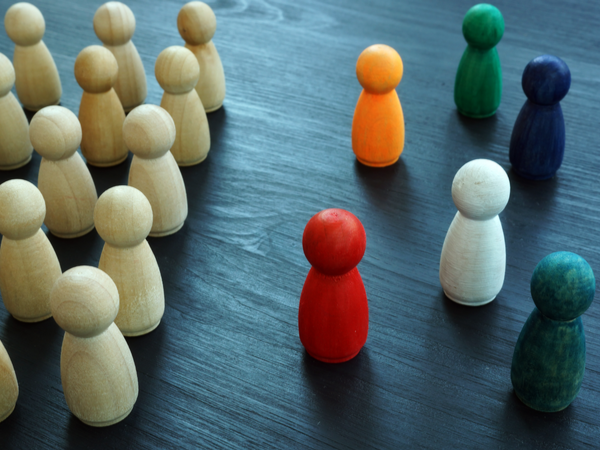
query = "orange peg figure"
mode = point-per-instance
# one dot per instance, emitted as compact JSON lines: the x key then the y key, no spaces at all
{"x":378,"y":125}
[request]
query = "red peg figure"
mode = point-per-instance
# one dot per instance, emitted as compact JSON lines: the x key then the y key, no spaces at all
{"x":378,"y":125}
{"x":333,"y":318}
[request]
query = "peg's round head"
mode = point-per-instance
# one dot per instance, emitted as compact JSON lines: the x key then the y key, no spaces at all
{"x":96,"y":69}
{"x":114,"y":23}
{"x":480,"y":189}
{"x":55,"y":133}
{"x":22,"y":209}
{"x":197,"y":23}
{"x":334,"y":241}
{"x":563,"y":286}
{"x":7,"y":75}
{"x":379,"y":69}
{"x":546,"y":80}
{"x":177,"y":70}
{"x":84,"y":301}
{"x":123,"y":216}
{"x":483,"y":26}
{"x":24,"y":24}
{"x":149,"y":131}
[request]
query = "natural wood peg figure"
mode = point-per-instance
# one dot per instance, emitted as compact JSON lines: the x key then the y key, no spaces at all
{"x":197,"y":25}
{"x":114,"y":24}
{"x":15,"y":148}
{"x":149,"y":132}
{"x":64,"y":180}
{"x":177,"y":71}
{"x":98,"y":374}
{"x":37,"y":79}
{"x":28,"y":264}
{"x":9,"y":388}
{"x":100,"y":112}
{"x":123,"y":219}
{"x":378,"y":124}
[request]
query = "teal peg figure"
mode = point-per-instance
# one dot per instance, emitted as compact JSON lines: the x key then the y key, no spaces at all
{"x":549,"y":358}
{"x":478,"y":84}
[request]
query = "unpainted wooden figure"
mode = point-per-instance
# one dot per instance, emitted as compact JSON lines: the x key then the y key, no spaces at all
{"x":9,"y":388}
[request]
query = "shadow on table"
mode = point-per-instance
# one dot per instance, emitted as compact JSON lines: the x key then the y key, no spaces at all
{"x":481,"y":132}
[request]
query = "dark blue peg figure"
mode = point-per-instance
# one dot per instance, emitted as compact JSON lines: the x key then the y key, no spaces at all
{"x":549,"y":358}
{"x":537,"y":144}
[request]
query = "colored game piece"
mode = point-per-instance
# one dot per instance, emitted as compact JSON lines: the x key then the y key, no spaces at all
{"x":177,"y":72}
{"x":123,"y":219}
{"x":28,"y":265}
{"x":478,"y":84}
{"x":37,"y":79}
{"x":149,"y":132}
{"x":473,"y":258}
{"x":114,"y":24}
{"x":378,"y":124}
{"x":333,"y":318}
{"x":197,"y":24}
{"x":100,"y":112}
{"x":15,"y":148}
{"x":537,"y":144}
{"x":64,"y":180}
{"x":9,"y":388}
{"x":549,"y":358}
{"x":97,"y":371}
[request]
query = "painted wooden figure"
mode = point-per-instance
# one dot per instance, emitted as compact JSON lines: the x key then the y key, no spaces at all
{"x":378,"y":124}
{"x":9,"y":388}
{"x":97,"y":371}
{"x":478,"y":84}
{"x":333,"y":318}
{"x":537,"y":144}
{"x":37,"y":79}
{"x":473,"y":259}
{"x":549,"y":358}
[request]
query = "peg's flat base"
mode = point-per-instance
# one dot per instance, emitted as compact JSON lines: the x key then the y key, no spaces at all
{"x":334,"y":360}
{"x":214,"y":108}
{"x":540,"y":410}
{"x":370,"y":164}
{"x":17,"y":165}
{"x":165,"y":233}
{"x":476,"y":116}
{"x":461,"y":302}
{"x":8,"y":413}
{"x":73,"y":235}
{"x":110,"y":164}
{"x":140,"y":333}
{"x":108,"y":422}
{"x":37,"y":108}
{"x":193,"y":163}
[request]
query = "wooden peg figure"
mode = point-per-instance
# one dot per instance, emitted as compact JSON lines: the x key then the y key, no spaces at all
{"x":473,"y":258}
{"x":64,"y":180}
{"x":97,"y":371}
{"x":149,"y":132}
{"x":378,"y":124}
{"x":197,"y":24}
{"x":37,"y":79}
{"x":537,"y":144}
{"x":549,"y":358}
{"x":28,"y":265}
{"x":15,"y":148}
{"x":478,"y":84}
{"x":100,"y":112}
{"x":9,"y":388}
{"x":114,"y":24}
{"x":333,"y":318}
{"x":123,"y":219}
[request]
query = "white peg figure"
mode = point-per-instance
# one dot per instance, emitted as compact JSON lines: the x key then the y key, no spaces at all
{"x":114,"y":24}
{"x":28,"y":264}
{"x":15,"y":148}
{"x":123,"y":219}
{"x":9,"y":388}
{"x":149,"y":132}
{"x":97,"y":371}
{"x":64,"y":180}
{"x":100,"y":112}
{"x":197,"y":24}
{"x":37,"y":79}
{"x":473,"y":258}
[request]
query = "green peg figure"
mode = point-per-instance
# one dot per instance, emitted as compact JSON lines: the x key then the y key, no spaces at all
{"x":478,"y":85}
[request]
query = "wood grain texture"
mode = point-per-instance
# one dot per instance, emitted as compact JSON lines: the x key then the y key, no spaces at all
{"x":226,"y":369}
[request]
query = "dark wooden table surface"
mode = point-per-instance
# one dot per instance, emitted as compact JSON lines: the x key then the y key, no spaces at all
{"x":226,"y":369}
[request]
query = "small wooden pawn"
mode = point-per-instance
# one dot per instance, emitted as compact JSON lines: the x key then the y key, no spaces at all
{"x":197,"y":24}
{"x":177,"y":72}
{"x":28,"y":264}
{"x":37,"y":79}
{"x":15,"y":148}
{"x":9,"y":387}
{"x":64,"y":180}
{"x":149,"y":132}
{"x":100,"y":112}
{"x":123,"y":219}
{"x":97,"y":371}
